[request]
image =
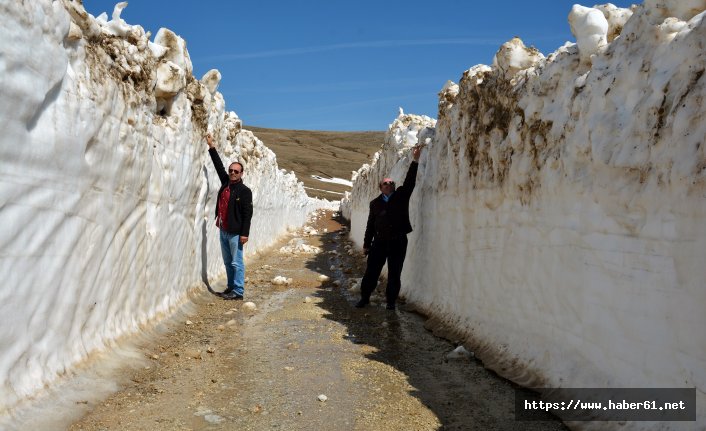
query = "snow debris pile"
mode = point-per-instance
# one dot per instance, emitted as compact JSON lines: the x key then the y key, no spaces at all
{"x":107,"y":188}
{"x":559,"y":210}
{"x":299,"y":246}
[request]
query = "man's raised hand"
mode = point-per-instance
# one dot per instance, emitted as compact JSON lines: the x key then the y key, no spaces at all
{"x":416,"y":151}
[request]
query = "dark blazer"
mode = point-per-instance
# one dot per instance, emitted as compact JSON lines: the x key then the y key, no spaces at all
{"x":240,"y":203}
{"x":388,"y":220}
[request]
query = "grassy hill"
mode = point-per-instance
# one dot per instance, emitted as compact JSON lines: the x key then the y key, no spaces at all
{"x":326,"y":154}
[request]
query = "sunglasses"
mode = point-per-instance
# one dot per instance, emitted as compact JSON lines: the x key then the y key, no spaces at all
{"x":388,"y":183}
{"x":233,"y":171}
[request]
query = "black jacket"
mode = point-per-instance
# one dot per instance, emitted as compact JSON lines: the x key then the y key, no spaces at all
{"x":388,"y":220}
{"x":240,"y":202}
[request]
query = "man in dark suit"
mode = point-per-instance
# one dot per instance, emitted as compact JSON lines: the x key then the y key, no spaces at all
{"x":386,"y":235}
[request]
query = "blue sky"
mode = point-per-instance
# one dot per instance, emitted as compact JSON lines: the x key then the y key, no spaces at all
{"x":332,"y":65}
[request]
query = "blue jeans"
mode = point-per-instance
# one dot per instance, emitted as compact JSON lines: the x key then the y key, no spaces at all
{"x":232,"y":251}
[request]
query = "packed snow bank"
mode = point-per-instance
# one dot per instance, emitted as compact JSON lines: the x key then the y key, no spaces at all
{"x":107,"y":189}
{"x":560,"y":210}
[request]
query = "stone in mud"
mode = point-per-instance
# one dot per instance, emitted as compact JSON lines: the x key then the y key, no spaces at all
{"x":213,"y":419}
{"x":459,"y":352}
{"x":193,"y":354}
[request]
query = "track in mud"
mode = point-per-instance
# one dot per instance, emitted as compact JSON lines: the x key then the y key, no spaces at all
{"x":228,"y":368}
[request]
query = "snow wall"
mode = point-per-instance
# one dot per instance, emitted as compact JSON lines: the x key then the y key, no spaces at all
{"x":107,"y":188}
{"x":560,"y":209}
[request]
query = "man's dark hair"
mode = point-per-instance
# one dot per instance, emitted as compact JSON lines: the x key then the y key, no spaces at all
{"x":242,"y":169}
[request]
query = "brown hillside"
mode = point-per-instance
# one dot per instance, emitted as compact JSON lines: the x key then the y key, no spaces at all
{"x":322,"y":153}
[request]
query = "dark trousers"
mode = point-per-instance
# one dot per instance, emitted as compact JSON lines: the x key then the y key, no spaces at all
{"x":393,"y":251}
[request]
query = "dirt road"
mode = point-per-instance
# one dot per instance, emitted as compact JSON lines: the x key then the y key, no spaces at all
{"x":306,"y":359}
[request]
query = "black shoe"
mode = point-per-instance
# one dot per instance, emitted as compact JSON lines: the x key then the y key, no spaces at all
{"x":232,"y":296}
{"x":362,"y":303}
{"x":228,"y":291}
{"x":390,"y":306}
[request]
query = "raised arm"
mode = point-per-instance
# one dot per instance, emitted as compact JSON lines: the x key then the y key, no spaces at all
{"x":220,"y":170}
{"x":411,"y":179}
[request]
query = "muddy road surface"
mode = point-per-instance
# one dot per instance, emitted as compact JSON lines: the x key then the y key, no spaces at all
{"x":305,"y":358}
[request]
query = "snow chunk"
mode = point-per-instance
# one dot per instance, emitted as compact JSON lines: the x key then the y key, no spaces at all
{"x":211,"y":79}
{"x":450,"y":88}
{"x":170,"y":80}
{"x":475,"y":74}
{"x":157,"y":50}
{"x":590,"y":28}
{"x":616,"y":17}
{"x":176,"y":49}
{"x":354,"y":285}
{"x":117,"y":26}
{"x":281,"y":281}
{"x":447,"y":95}
{"x":513,"y":56}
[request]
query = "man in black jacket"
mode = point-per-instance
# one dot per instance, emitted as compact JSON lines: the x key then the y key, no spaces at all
{"x":386,"y":235}
{"x":233,"y":215}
